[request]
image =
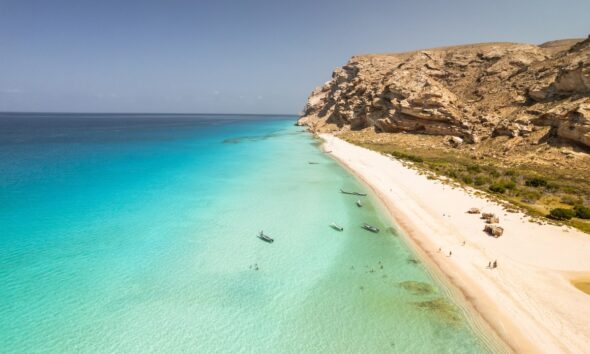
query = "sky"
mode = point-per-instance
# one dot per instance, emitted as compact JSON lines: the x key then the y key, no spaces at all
{"x":242,"y":56}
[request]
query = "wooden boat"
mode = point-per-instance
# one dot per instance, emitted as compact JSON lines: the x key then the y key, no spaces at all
{"x":358,"y":203}
{"x":265,"y":238}
{"x":353,"y":193}
{"x":370,"y":228}
{"x":336,"y":227}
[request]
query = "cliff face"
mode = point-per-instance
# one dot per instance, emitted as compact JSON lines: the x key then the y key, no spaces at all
{"x":473,"y":92}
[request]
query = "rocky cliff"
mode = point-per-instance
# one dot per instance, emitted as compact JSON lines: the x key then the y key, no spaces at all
{"x":471,"y":92}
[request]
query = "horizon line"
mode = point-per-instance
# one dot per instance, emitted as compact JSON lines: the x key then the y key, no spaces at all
{"x":154,"y":113}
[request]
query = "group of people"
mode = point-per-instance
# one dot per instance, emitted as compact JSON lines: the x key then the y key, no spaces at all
{"x":492,"y":265}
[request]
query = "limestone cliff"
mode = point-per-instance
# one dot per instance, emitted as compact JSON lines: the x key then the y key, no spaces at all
{"x":473,"y":92}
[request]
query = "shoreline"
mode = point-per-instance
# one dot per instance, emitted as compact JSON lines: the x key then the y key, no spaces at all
{"x":528,"y":303}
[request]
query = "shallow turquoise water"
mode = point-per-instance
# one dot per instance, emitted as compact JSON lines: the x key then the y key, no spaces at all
{"x":137,"y":234}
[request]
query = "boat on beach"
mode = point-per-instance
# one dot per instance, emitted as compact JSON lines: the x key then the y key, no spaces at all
{"x":265,"y":238}
{"x":336,"y":227}
{"x":370,"y":228}
{"x":353,"y":193}
{"x":358,"y":203}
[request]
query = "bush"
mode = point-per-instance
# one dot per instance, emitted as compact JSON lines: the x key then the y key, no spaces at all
{"x":495,"y":173}
{"x":552,"y":187}
{"x":529,"y":195}
{"x":509,"y":184}
{"x":473,"y":168}
{"x":480,"y":180}
{"x":562,"y":214}
{"x":498,"y":188}
{"x":510,"y":173}
{"x":409,"y":157}
{"x":467,"y":179}
{"x":536,"y":182}
{"x":582,"y":212}
{"x":415,"y":158}
{"x":571,"y":200}
{"x":502,"y":186}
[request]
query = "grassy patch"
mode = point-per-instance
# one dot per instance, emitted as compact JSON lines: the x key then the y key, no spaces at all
{"x":534,"y":187}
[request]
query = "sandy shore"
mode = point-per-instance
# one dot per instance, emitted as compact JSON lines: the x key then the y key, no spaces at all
{"x":528,"y":300}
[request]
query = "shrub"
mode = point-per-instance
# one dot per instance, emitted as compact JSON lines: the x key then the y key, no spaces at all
{"x":582,"y":212}
{"x":529,"y":195}
{"x":495,"y":173}
{"x":510,"y":173}
{"x":571,"y":200}
{"x":553,"y":187}
{"x":415,"y":158}
{"x":562,"y":214}
{"x":498,"y":188}
{"x":473,"y":168}
{"x":536,"y":182}
{"x":509,"y":184}
{"x":467,"y":179}
{"x":480,"y":180}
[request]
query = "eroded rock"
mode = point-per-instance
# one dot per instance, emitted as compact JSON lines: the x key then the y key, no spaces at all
{"x":471,"y":92}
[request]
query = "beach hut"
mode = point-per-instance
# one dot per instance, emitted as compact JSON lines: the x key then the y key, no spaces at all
{"x":487,"y":216}
{"x":494,"y":230}
{"x":493,"y":220}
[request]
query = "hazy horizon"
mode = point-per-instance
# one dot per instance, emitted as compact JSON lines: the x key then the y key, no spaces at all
{"x":255,"y":57}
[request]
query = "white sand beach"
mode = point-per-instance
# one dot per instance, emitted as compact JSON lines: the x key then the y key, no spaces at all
{"x":528,"y":300}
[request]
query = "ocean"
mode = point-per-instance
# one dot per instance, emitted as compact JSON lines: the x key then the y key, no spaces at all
{"x":138,"y":233}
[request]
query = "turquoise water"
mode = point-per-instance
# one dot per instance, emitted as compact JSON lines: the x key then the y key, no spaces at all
{"x":125,"y":233}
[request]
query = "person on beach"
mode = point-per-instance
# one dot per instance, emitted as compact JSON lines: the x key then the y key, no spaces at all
{"x":489,"y":264}
{"x":495,"y":264}
{"x":450,"y":253}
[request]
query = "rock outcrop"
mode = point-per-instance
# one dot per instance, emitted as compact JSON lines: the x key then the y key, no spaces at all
{"x":471,"y":92}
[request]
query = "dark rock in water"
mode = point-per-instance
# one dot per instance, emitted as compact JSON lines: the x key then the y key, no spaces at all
{"x":417,"y":288}
{"x":413,"y":261}
{"x":442,"y":309}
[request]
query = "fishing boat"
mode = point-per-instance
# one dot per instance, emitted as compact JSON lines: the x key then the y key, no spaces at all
{"x":358,"y":203}
{"x":336,"y":227}
{"x":353,"y":193}
{"x":370,"y":228}
{"x":265,"y":238}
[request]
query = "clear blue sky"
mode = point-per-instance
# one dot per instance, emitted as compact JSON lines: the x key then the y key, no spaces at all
{"x":233,"y":56}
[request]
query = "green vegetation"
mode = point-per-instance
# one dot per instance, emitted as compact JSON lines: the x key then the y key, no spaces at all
{"x":582,"y":212}
{"x":536,"y":182}
{"x":561,"y":194}
{"x":562,"y":214}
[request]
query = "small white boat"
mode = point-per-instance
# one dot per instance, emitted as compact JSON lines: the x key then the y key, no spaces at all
{"x":336,"y":227}
{"x":370,"y":228}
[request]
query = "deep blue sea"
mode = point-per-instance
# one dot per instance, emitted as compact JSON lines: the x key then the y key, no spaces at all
{"x":137,"y":233}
